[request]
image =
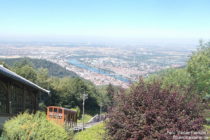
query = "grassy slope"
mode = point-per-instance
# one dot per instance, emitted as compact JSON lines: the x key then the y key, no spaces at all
{"x":96,"y":132}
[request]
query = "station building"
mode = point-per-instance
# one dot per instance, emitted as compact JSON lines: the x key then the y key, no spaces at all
{"x":17,"y":94}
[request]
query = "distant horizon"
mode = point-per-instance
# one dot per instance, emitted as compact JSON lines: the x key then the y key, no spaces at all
{"x":134,"y":43}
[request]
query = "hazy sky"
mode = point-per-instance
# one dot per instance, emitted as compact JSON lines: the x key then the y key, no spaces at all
{"x":104,"y":18}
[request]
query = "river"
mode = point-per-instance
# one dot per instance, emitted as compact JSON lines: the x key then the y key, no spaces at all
{"x":79,"y":64}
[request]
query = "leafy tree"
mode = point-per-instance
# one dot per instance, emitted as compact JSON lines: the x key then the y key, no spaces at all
{"x":173,"y":79}
{"x":70,"y":91}
{"x":42,"y":78}
{"x":176,"y":77}
{"x":27,"y":72}
{"x":54,"y":96}
{"x":199,"y":68}
{"x":103,"y":99}
{"x":150,"y":112}
{"x":23,"y":62}
{"x":4,"y":64}
{"x":110,"y":93}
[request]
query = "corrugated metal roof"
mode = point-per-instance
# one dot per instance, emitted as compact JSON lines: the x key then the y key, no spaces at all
{"x":20,"y":79}
{"x":62,"y":108}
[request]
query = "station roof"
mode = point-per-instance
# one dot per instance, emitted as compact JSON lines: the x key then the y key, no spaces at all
{"x":6,"y":72}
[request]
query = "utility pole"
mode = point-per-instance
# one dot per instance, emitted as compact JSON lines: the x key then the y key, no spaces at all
{"x":85,"y":96}
{"x":100,"y":111}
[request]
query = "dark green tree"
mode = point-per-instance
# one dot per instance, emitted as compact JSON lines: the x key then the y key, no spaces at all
{"x":43,"y":78}
{"x":110,"y":93}
{"x":27,"y":72}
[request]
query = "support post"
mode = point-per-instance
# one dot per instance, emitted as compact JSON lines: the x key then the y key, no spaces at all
{"x":100,"y":111}
{"x":85,"y":96}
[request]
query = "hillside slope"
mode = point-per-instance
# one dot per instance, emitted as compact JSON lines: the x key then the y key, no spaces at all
{"x":53,"y":68}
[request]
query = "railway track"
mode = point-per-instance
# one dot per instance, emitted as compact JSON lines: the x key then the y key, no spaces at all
{"x":87,"y":125}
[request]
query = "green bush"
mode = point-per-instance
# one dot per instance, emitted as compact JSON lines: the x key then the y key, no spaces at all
{"x":96,"y":132}
{"x":87,"y":117}
{"x":33,"y":127}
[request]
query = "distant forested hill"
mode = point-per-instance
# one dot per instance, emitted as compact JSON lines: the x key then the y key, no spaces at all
{"x":53,"y":68}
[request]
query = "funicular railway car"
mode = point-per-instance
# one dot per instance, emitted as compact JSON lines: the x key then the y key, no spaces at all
{"x":62,"y":116}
